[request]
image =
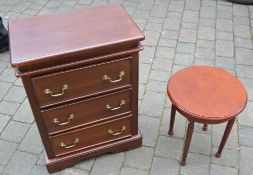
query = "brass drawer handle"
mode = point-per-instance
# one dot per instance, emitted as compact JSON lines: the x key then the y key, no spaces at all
{"x":56,"y":120}
{"x":109,"y":107}
{"x":76,"y":141}
{"x":121,"y":74}
{"x":111,"y":132}
{"x":49,"y":92}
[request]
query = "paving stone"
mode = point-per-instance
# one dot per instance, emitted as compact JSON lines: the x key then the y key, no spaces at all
{"x":243,"y":43}
{"x":108,"y":164}
{"x":24,"y":113}
{"x":246,"y":136}
{"x":217,"y":134}
{"x":158,"y":11}
{"x":172,"y":15}
{"x":132,"y":171}
{"x":169,"y":147}
{"x":159,"y":75}
{"x":155,"y":20}
{"x":206,"y":33}
{"x":201,"y":143}
{"x":228,"y":158}
{"x":140,"y":158}
{"x":185,"y":48}
{"x":207,"y":23}
{"x":141,"y":13}
{"x":2,"y":67}
{"x":189,"y":25}
{"x":145,"y":4}
{"x":220,"y":170}
{"x":156,"y":86}
{"x":177,"y":68}
{"x":8,"y":107}
{"x":164,"y":166}
{"x":85,"y":164}
{"x":151,"y":38}
{"x":4,"y":119}
{"x":177,"y":6}
{"x":192,"y":6}
{"x":245,"y":118}
{"x":208,"y":3}
{"x":205,"y":44}
{"x":18,"y":82}
{"x":240,"y":10}
{"x":228,"y":36}
{"x":169,"y":34}
{"x":225,"y":63}
{"x":179,"y":125}
{"x":149,"y":127}
{"x":155,"y":108}
{"x":224,"y":48}
{"x":244,"y":71}
{"x":224,"y":25}
{"x":21,"y":163}
{"x":196,"y":164}
{"x":241,"y":20}
{"x":224,"y":14}
{"x":153,"y":27}
{"x":248,"y":84}
{"x":42,"y":170}
{"x":147,"y":55}
{"x":15,"y":94}
{"x":141,"y":90}
{"x":162,"y":64}
{"x":225,"y":7}
{"x":184,"y":59}
{"x":144,"y":73}
{"x":165,"y":52}
{"x":242,"y":31}
{"x":32,"y":141}
{"x":207,"y":12}
{"x":4,"y":87}
{"x":204,"y":53}
{"x":7,"y":150}
{"x":15,"y":131}
{"x":188,"y":35}
{"x":172,"y":24}
{"x":73,"y":171}
{"x":246,"y":160}
{"x":244,"y":56}
{"x":191,"y":16}
{"x":8,"y":75}
{"x":167,"y":43}
{"x":204,"y":62}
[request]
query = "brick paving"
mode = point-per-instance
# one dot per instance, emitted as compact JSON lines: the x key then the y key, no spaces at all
{"x":179,"y":33}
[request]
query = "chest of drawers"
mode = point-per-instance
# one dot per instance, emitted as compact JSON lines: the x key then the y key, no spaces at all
{"x":80,"y":73}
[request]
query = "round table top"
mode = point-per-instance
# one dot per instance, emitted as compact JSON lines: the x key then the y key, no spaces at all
{"x":207,"y":93}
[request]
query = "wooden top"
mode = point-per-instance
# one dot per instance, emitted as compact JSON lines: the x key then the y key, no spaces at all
{"x":207,"y":93}
{"x":40,"y":38}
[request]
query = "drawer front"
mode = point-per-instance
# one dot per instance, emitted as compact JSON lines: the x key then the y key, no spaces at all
{"x":76,"y":83}
{"x":88,"y":111}
{"x":91,"y":136}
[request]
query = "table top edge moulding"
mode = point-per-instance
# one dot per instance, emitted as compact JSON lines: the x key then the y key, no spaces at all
{"x":45,"y":29}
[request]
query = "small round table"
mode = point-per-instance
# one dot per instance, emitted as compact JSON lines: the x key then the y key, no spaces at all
{"x":206,"y":95}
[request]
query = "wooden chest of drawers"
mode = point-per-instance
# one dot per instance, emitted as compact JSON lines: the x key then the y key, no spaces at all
{"x":80,"y":73}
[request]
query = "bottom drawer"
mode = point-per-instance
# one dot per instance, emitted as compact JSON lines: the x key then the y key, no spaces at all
{"x":91,"y":136}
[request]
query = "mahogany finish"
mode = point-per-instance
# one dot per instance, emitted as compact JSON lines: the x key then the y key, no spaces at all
{"x":80,"y":73}
{"x":207,"y":95}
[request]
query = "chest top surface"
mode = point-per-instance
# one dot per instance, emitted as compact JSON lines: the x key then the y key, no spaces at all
{"x":41,"y":38}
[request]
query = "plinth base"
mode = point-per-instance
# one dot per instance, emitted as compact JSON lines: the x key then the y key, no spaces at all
{"x":60,"y":163}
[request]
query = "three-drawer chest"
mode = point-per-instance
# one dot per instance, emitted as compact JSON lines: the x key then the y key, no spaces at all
{"x":80,"y":73}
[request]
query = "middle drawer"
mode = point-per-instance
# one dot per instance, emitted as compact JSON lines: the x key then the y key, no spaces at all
{"x":87,"y":111}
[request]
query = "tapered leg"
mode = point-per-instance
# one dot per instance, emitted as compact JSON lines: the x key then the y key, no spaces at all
{"x":187,"y":142}
{"x":204,"y":127}
{"x":225,"y":137}
{"x":172,"y":119}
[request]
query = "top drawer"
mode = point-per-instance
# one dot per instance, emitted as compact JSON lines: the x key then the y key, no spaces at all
{"x":76,"y":83}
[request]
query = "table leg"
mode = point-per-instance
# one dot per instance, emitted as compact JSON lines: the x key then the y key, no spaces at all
{"x":204,"y":127}
{"x":172,"y":119}
{"x":225,"y":137}
{"x":187,"y":142}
